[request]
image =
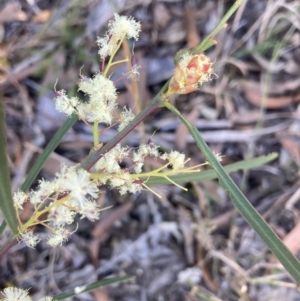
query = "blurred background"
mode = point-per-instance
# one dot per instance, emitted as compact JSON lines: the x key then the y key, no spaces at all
{"x":188,"y":245}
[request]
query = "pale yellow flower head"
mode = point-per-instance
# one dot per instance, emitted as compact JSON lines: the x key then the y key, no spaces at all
{"x":119,"y":28}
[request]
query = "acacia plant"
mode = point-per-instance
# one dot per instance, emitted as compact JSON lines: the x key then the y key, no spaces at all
{"x":74,"y":190}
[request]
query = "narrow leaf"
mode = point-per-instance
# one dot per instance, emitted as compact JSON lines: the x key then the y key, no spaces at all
{"x":291,"y":264}
{"x":211,"y":174}
{"x":6,"y":202}
{"x":91,"y":287}
{"x":47,"y":152}
{"x":2,"y":227}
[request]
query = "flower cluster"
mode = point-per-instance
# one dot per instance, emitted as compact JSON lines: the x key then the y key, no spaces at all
{"x":102,"y":100}
{"x":119,"y":28}
{"x":56,"y":204}
{"x":18,"y":294}
{"x":100,"y":89}
{"x":128,"y":179}
{"x":126,"y":117}
{"x":74,"y":190}
{"x":190,"y":73}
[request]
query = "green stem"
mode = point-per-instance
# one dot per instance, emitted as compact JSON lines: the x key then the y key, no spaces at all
{"x":112,"y":56}
{"x":96,"y":134}
{"x":34,"y":219}
{"x":119,"y":62}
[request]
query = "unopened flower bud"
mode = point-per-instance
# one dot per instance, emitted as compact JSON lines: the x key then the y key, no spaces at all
{"x":190,"y":73}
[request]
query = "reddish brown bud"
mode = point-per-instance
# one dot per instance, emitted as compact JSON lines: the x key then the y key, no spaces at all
{"x":190,"y":72}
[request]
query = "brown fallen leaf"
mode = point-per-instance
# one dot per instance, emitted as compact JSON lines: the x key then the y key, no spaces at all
{"x":202,"y":201}
{"x":102,"y":229}
{"x":292,"y":239}
{"x":12,"y":12}
{"x":257,"y":99}
{"x":274,"y":88}
{"x":293,"y":199}
{"x":222,"y":220}
{"x":161,"y":15}
{"x":26,"y":213}
{"x":255,"y":96}
{"x":42,"y":17}
{"x":247,"y":117}
{"x":203,"y":265}
{"x":54,"y":161}
{"x":291,"y":146}
{"x":239,"y":64}
{"x":187,"y":234}
{"x":101,"y":294}
{"x":192,"y":35}
{"x":174,"y":33}
{"x":116,"y":214}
